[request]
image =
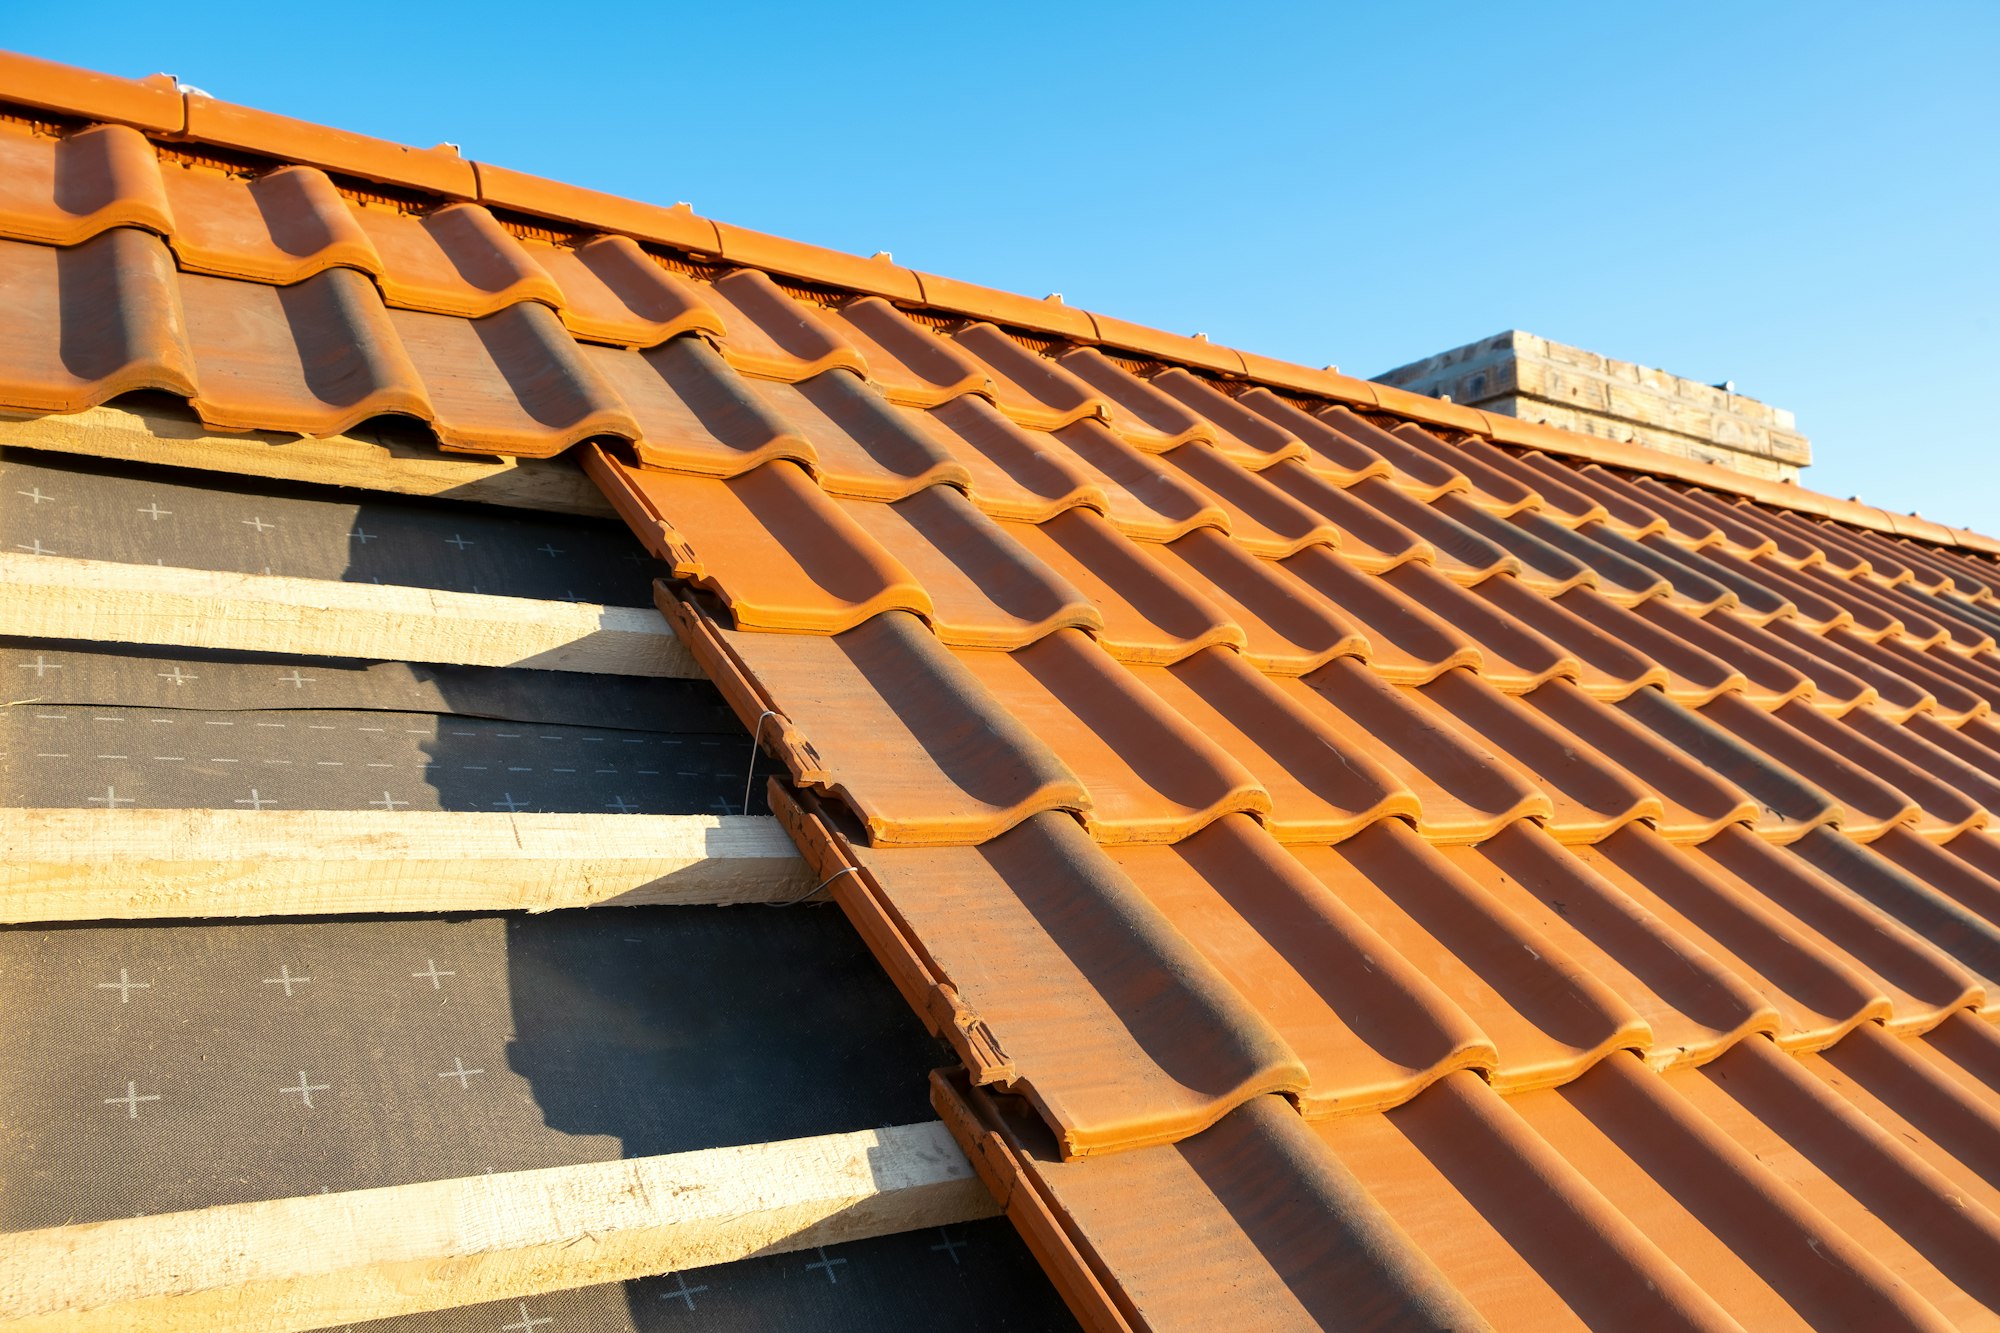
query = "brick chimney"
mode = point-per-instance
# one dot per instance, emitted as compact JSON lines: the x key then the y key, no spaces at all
{"x":1537,"y":380}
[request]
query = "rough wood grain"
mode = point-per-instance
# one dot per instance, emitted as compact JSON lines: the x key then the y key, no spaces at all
{"x":85,"y":865}
{"x":338,"y":1258}
{"x":55,"y":597}
{"x":360,"y":460}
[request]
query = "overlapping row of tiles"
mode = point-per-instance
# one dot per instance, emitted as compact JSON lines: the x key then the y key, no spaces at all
{"x":69,"y":190}
{"x":1146,"y":753}
{"x":1426,"y":737}
{"x":102,"y":194}
{"x":1137,"y":993}
{"x":1853,"y":1188}
{"x":1388,"y":501}
{"x":966,"y":674}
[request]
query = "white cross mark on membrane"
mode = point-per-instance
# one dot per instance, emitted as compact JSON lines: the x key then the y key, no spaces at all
{"x":286,"y":979}
{"x":130,"y":1101}
{"x":124,"y":986}
{"x":682,"y":1291}
{"x":460,"y":1072}
{"x":527,"y":1323}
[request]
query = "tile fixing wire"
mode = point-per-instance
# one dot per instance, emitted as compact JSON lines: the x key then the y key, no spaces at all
{"x":814,"y":890}
{"x":756,"y":736}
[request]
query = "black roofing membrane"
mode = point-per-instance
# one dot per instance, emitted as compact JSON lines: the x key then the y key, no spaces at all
{"x":134,"y":514}
{"x":978,"y":1277}
{"x":153,"y":1067}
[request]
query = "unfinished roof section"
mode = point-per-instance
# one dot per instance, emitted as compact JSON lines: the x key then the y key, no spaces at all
{"x":1354,"y":844}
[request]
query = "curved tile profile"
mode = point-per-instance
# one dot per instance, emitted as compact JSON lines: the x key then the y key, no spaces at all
{"x":1141,"y":413}
{"x":317,"y":357}
{"x":1147,"y":502}
{"x":1086,"y":1001}
{"x":887,"y":719}
{"x":863,"y":447}
{"x":912,"y":365}
{"x":1708,"y":1191}
{"x":1032,"y":390}
{"x":1323,"y":787}
{"x":1590,"y":796}
{"x":1876,"y":1186}
{"x":1464,"y":792}
{"x":1819,"y":993}
{"x":1525,"y":1237}
{"x":1151,"y":774}
{"x":694,"y":415}
{"x":1016,"y":474}
{"x":1412,"y":470}
{"x":986,"y":590}
{"x":513,"y":382}
{"x":1407,"y":643}
{"x":1788,"y":806}
{"x":454,"y":260}
{"x":1252,"y":1224}
{"x":614,"y":292}
{"x":1695,"y":803}
{"x":1695,"y":1006}
{"x":1339,"y":459}
{"x":778,"y":552}
{"x":1149,"y":615}
{"x":1971,"y":939}
{"x":772,"y":336}
{"x":1512,"y":656}
{"x":1262,"y":518}
{"x":1287,"y":630}
{"x":1547,"y":1018}
{"x":1371,"y":1029}
{"x":65,"y":190}
{"x":90,"y":322}
{"x":280,"y":227}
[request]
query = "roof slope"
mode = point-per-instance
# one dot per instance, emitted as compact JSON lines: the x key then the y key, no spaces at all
{"x":1368,"y":870}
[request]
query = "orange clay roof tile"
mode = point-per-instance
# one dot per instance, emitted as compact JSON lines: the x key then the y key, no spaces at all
{"x":280,"y":228}
{"x":152,"y":103}
{"x":1433,"y":866}
{"x":439,"y":170}
{"x":65,"y":191}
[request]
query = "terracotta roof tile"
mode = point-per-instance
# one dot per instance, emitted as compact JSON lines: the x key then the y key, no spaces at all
{"x":152,"y":103}
{"x":92,"y":321}
{"x":1433,"y":866}
{"x":65,"y":191}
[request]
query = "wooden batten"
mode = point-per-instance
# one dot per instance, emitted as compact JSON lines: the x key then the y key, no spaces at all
{"x":358,"y":459}
{"x":87,"y":865}
{"x":55,"y":597}
{"x":333,"y":1259}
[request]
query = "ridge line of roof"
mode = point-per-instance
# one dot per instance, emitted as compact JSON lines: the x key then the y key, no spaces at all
{"x":160,"y":104}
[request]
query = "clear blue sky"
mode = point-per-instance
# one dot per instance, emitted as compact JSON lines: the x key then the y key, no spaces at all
{"x":1801,"y":198}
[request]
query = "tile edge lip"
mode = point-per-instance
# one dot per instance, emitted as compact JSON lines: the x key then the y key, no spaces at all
{"x":66,"y":89}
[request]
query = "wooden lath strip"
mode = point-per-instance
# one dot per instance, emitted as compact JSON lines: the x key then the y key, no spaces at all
{"x":358,"y":459}
{"x":54,"y":597}
{"x":337,"y":1258}
{"x":87,"y":865}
